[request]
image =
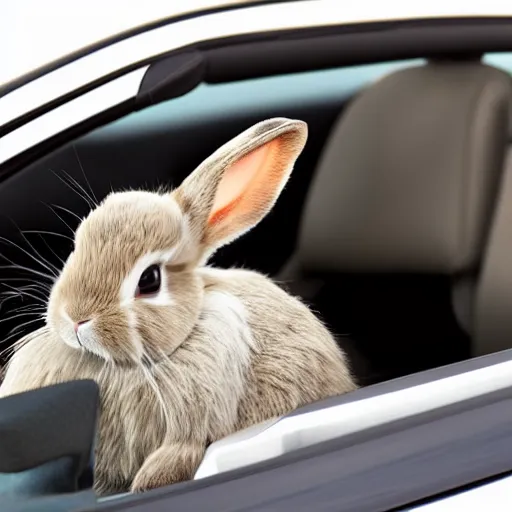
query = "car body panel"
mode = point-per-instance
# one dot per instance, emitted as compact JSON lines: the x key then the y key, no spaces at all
{"x":79,"y":109}
{"x":299,"y":431}
{"x":364,"y":410}
{"x":81,"y":25}
{"x":497,"y":494}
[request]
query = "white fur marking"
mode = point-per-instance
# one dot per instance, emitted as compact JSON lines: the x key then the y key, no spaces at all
{"x":135,"y":339}
{"x":90,"y":341}
{"x":85,"y":339}
{"x":67,"y":331}
{"x":129,"y":285}
{"x":224,"y":320}
{"x":187,"y":246}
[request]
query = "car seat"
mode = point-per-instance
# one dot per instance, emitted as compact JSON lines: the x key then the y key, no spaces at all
{"x":392,"y":234}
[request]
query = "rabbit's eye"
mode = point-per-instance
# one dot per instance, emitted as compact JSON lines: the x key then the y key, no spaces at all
{"x":150,"y":281}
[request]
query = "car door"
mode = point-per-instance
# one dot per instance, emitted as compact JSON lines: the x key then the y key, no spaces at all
{"x":329,"y":473}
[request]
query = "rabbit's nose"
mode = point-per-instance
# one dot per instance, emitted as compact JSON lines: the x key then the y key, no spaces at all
{"x":80,"y":324}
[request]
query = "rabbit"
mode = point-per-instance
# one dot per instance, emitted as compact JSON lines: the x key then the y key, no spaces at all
{"x":184,"y":353}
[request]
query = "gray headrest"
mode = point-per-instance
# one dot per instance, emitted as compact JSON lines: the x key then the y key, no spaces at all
{"x":409,"y":175}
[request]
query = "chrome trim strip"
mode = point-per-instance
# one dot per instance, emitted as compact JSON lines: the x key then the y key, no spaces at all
{"x":70,"y":114}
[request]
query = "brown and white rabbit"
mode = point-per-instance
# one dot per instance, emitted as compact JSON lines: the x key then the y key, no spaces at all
{"x":184,"y":354}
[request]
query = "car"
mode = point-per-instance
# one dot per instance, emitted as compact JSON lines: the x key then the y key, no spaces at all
{"x":394,"y":228}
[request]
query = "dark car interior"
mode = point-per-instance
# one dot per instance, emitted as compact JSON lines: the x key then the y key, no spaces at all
{"x":381,"y":229}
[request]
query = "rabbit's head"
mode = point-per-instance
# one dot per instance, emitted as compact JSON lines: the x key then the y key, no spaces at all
{"x":130,"y":289}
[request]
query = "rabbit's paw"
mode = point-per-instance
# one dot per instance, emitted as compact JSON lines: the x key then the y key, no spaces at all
{"x":168,"y":465}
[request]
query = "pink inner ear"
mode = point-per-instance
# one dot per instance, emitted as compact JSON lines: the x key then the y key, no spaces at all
{"x":237,"y":180}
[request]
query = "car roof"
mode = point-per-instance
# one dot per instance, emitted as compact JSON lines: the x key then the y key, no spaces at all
{"x":83,"y":84}
{"x":84,"y":26}
{"x":26,"y":24}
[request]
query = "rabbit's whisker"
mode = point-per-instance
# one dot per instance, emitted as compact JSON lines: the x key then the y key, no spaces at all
{"x":35,"y":287}
{"x":52,"y":251}
{"x":22,"y":341}
{"x":23,"y":279}
{"x":80,"y":219}
{"x":75,"y":187}
{"x":32,"y":309}
{"x":80,"y":190}
{"x":52,"y":233}
{"x":53,"y":266}
{"x":13,"y":266}
{"x":85,"y":176}
{"x":17,"y":296}
{"x":10,"y":295}
{"x":19,"y":315}
{"x":21,"y":292}
{"x":29,"y":322}
{"x":60,"y":218}
{"x":41,"y":261}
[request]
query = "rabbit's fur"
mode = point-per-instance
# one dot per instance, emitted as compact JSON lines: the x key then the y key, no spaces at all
{"x":213,"y":351}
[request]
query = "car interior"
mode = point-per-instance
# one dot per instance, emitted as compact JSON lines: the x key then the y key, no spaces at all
{"x":386,"y":228}
{"x":394,"y":227}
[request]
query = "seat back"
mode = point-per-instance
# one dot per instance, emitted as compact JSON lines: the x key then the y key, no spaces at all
{"x":493,"y":295}
{"x":399,"y":211}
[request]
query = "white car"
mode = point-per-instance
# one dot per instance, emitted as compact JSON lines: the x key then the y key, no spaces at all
{"x":395,"y":228}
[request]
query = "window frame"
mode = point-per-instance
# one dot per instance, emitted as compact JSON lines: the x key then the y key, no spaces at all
{"x":270,"y":52}
{"x":108,"y":59}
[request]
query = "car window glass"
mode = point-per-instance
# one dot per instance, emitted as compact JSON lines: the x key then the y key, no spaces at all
{"x":500,"y":60}
{"x":208,"y":100}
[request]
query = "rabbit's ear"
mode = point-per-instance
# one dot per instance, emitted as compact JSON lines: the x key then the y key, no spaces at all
{"x":232,"y":190}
